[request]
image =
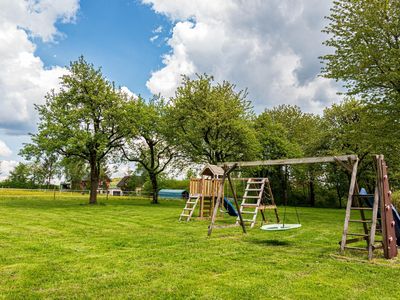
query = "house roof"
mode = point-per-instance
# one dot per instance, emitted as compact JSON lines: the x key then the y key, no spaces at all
{"x":212,"y":170}
{"x":123,"y":181}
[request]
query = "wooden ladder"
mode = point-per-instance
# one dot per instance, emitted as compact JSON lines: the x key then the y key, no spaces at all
{"x":190,"y":206}
{"x":255,"y":199}
{"x":372,"y":225}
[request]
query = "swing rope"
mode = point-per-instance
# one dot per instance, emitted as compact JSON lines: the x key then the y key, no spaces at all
{"x":278,"y":227}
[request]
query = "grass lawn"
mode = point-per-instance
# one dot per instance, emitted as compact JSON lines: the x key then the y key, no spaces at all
{"x":128,"y":248}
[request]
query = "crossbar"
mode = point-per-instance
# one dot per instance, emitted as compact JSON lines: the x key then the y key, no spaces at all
{"x":291,"y":161}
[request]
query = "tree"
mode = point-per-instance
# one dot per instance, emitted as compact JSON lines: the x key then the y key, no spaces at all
{"x":285,"y":131}
{"x":365,"y":35}
{"x":74,"y":170}
{"x":85,"y":119}
{"x":21,"y":174}
{"x":46,"y":165}
{"x":151,"y":139}
{"x":213,"y":122}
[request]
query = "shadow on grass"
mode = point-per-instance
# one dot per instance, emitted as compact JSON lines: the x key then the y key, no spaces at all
{"x":272,"y":242}
{"x":47,"y":202}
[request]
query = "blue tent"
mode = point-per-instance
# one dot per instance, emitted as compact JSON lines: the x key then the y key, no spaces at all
{"x":176,"y":194}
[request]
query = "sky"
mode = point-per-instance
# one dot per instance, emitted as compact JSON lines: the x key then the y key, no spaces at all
{"x":269,"y":47}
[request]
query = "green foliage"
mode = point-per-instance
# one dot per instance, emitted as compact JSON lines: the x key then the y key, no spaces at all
{"x":212,"y":122}
{"x":46,"y":165}
{"x":27,"y":176}
{"x":84,"y":119}
{"x":151,"y":141}
{"x":365,"y":36}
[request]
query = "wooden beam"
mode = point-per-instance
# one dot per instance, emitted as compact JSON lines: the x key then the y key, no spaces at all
{"x":349,"y":204}
{"x":291,"y":161}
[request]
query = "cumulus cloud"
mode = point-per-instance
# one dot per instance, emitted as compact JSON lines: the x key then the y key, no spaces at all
{"x":6,"y":166}
{"x":270,"y":47}
{"x":5,"y":151}
{"x":24,"y":80}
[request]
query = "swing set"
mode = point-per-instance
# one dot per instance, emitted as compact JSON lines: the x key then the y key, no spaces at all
{"x":380,"y":223}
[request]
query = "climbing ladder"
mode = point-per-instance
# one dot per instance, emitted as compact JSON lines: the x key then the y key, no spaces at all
{"x":257,"y":197}
{"x":189,"y":208}
{"x":375,"y":212}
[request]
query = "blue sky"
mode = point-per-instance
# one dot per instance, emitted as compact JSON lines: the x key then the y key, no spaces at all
{"x":114,"y":35}
{"x":270,"y":47}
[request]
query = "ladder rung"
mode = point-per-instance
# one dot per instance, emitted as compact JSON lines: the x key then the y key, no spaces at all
{"x":248,"y":212}
{"x":248,"y":220}
{"x":358,"y":234}
{"x":361,"y":221}
{"x":364,"y":196}
{"x":251,"y":197}
{"x":253,"y":190}
{"x":191,"y":202}
{"x":356,"y":248}
{"x":184,"y":215}
{"x":225,"y":226}
{"x":188,"y":208}
{"x":249,"y":204}
{"x":267,"y":207}
{"x":361,"y":208}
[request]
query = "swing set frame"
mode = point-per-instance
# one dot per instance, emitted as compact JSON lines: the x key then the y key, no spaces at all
{"x":229,"y":167}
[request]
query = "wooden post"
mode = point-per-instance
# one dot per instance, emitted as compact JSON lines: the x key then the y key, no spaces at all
{"x":388,"y":231}
{"x":237,"y":204}
{"x":215,"y":209}
{"x":227,"y":171}
{"x":349,"y":203}
{"x":373,"y":225}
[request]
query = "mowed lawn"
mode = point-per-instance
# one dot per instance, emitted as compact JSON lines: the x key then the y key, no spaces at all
{"x":128,"y":248}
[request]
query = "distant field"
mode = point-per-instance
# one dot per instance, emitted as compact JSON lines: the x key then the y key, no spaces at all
{"x":128,"y":248}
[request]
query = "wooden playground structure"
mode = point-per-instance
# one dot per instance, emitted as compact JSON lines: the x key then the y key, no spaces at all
{"x":205,"y":191}
{"x":375,"y":210}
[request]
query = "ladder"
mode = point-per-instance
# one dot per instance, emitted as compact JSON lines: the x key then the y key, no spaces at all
{"x":190,"y":206}
{"x":375,"y":215}
{"x":257,"y":197}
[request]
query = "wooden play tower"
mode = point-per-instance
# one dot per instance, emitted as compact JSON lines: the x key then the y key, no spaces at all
{"x":205,"y":191}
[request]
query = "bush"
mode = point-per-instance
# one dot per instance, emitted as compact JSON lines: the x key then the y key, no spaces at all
{"x":396,"y":200}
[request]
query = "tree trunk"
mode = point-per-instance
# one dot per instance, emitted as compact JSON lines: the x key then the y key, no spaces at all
{"x":94,"y":181}
{"x":154,"y":184}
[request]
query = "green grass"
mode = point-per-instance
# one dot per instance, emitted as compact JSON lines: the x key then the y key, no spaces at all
{"x":128,"y":248}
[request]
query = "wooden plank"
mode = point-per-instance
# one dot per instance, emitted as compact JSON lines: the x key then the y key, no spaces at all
{"x":236,"y":201}
{"x":292,"y":161}
{"x":388,"y":232}
{"x":349,"y":204}
{"x":373,"y":226}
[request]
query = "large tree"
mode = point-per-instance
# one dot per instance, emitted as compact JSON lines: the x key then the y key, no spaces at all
{"x":365,"y":37}
{"x":84,"y":119}
{"x":151,"y":139}
{"x":213,"y":122}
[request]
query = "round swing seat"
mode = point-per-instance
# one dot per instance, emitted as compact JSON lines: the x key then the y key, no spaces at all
{"x":279,"y":227}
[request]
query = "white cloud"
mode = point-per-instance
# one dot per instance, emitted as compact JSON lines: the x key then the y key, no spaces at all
{"x":6,"y":166}
{"x":159,"y":29}
{"x":271,"y":47}
{"x":5,"y":151}
{"x":128,"y":92}
{"x":23,"y":78}
{"x":153,"y":38}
